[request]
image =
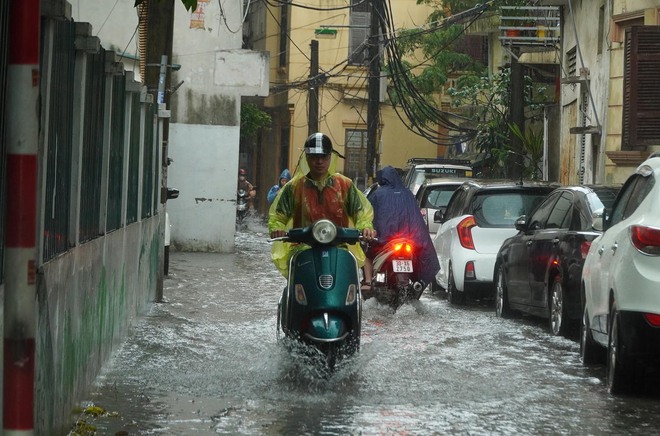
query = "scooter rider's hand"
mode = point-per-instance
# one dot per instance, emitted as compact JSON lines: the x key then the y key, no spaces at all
{"x":368,"y":234}
{"x":277,"y":234}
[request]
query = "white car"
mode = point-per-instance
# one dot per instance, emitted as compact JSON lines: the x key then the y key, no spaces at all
{"x":480,"y":215}
{"x":621,"y":283}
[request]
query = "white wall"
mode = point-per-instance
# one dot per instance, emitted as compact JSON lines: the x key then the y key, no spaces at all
{"x":205,"y":127}
{"x":204,"y":170}
{"x":114,"y":23}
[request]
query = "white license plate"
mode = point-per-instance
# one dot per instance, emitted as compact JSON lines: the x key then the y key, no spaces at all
{"x":402,"y":266}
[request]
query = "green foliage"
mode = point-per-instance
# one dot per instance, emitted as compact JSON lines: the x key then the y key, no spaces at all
{"x":532,"y":142}
{"x":190,"y":5}
{"x":253,"y":119}
{"x":486,"y":101}
{"x":431,"y":57}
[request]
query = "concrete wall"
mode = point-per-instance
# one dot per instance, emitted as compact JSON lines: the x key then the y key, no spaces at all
{"x":593,"y":60}
{"x":204,"y":171}
{"x":88,"y":299}
{"x":205,"y":123}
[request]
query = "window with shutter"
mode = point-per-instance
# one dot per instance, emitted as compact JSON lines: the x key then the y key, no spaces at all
{"x":359,"y":32}
{"x":641,"y":94}
{"x":356,"y":153}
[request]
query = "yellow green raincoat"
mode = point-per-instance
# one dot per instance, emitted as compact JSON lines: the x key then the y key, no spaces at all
{"x":302,"y":201}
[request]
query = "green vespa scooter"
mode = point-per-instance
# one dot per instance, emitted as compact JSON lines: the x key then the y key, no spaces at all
{"x":321,"y":305}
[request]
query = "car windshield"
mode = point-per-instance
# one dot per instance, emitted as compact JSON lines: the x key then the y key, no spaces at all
{"x":503,"y":208}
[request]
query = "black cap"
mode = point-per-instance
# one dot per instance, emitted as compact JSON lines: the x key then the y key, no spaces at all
{"x":318,"y":143}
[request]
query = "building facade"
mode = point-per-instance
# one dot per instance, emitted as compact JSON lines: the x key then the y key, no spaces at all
{"x":340,"y":33}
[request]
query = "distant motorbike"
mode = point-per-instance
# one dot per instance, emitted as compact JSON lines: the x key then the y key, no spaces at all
{"x":394,"y":279}
{"x":321,"y":307}
{"x":241,"y":205}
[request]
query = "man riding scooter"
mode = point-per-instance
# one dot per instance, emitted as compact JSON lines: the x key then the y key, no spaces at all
{"x":315,"y":192}
{"x":316,"y":222}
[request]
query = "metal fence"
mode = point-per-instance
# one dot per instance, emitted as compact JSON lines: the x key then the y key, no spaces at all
{"x":58,"y":55}
{"x":92,"y":147}
{"x":100,"y":160}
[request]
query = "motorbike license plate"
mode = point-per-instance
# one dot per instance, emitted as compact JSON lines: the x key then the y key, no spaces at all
{"x":402,"y":266}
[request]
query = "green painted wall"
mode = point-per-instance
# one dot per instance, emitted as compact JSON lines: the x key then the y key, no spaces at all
{"x":87,"y":301}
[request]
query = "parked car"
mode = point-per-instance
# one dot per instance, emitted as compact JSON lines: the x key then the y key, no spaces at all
{"x":433,"y":196}
{"x":417,"y":170}
{"x":538,"y":271}
{"x":479,"y":217}
{"x":621,"y":283}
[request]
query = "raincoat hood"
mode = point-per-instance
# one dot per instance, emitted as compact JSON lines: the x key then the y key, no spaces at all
{"x":285,"y":175}
{"x":389,"y":176}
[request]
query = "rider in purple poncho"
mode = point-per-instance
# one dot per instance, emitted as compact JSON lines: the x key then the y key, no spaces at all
{"x":396,"y":213}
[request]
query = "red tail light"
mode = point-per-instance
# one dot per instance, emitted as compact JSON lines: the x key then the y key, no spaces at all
{"x":401,"y":246}
{"x":653,"y":319}
{"x":584,"y":249}
{"x":464,"y":229}
{"x":646,"y":239}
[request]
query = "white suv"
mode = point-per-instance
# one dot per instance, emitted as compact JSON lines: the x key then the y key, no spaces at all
{"x":621,"y":283}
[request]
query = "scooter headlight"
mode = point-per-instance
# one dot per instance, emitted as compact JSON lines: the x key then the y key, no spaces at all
{"x":324,"y":231}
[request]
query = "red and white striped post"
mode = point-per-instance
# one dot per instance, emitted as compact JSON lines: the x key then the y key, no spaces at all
{"x":22,"y":120}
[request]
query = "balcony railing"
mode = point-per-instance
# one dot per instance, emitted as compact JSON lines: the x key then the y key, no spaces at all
{"x":530,"y":26}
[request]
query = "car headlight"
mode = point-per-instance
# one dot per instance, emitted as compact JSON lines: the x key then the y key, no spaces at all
{"x":324,"y":231}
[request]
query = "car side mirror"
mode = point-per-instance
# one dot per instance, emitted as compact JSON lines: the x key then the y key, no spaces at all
{"x":521,"y":223}
{"x":172,"y":193}
{"x":438,"y":216}
{"x":599,"y":222}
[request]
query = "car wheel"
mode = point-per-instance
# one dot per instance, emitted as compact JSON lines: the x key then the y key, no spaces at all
{"x":619,"y":368}
{"x":453,"y":295}
{"x":502,"y":308}
{"x":558,"y":319}
{"x":590,"y":351}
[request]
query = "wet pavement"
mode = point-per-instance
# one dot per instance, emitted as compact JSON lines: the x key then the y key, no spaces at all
{"x":206,"y":361}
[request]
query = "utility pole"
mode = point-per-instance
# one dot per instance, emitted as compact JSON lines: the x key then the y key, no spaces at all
{"x":517,"y":115}
{"x":314,"y":83}
{"x":20,"y":308}
{"x":373,"y":105}
{"x":157,"y":78}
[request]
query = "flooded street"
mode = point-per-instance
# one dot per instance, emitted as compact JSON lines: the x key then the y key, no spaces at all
{"x":206,"y":361}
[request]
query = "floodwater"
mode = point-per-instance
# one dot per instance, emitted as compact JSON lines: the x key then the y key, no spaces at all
{"x":206,"y":361}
